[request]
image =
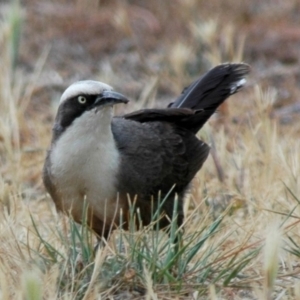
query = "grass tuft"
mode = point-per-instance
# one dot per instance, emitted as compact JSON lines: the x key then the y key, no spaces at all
{"x":32,"y":286}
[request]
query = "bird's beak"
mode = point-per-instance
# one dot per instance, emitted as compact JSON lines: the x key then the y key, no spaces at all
{"x":109,"y":98}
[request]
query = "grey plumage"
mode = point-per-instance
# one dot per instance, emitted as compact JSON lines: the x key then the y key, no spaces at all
{"x":144,"y":153}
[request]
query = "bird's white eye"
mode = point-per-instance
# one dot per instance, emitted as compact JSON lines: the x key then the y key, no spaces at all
{"x":81,"y":99}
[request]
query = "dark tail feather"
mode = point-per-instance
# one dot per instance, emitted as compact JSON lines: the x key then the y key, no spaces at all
{"x":211,"y":90}
{"x":214,"y":87}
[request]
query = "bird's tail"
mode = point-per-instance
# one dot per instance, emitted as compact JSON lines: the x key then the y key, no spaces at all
{"x":211,"y":90}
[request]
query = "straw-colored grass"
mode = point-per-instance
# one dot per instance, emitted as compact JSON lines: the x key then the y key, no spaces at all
{"x":241,"y":238}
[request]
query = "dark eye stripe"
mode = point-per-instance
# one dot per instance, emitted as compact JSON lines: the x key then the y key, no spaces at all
{"x":69,"y":110}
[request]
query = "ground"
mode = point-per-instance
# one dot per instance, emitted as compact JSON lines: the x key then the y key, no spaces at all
{"x":241,"y":231}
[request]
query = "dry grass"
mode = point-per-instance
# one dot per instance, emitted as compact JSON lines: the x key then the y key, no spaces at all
{"x":242,"y":237}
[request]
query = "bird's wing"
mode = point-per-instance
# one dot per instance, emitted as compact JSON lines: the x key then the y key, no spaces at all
{"x":167,"y":115}
{"x":156,"y":156}
{"x":182,"y":117}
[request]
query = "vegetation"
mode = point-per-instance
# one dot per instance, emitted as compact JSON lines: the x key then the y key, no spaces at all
{"x":241,"y":236}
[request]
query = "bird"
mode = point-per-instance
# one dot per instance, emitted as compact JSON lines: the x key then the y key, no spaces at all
{"x":149,"y":156}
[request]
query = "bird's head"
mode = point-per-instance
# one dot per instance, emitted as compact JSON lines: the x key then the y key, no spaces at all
{"x":83,"y":99}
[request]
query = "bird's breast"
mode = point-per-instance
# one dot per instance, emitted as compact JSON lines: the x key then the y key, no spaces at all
{"x":86,"y":167}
